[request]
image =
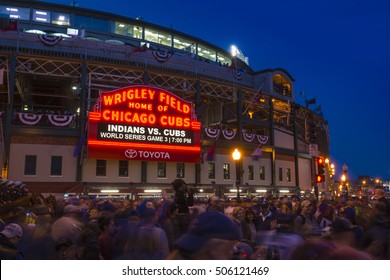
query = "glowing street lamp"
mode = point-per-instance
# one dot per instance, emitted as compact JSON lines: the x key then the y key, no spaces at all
{"x":332,"y":169}
{"x":237,"y":157}
{"x":344,"y":178}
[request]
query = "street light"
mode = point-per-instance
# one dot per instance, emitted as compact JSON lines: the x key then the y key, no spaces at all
{"x":332,"y":170}
{"x":344,"y":178}
{"x":237,"y":157}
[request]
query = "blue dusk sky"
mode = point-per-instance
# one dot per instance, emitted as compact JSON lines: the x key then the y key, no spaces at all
{"x":337,"y":51}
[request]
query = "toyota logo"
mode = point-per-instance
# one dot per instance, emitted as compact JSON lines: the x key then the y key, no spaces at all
{"x":130,"y":153}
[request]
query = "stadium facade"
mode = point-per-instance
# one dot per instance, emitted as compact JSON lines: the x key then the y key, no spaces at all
{"x":94,"y":102}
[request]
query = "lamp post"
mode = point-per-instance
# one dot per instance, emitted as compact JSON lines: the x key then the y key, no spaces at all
{"x":344,"y":178}
{"x":331,"y":175}
{"x":237,"y":157}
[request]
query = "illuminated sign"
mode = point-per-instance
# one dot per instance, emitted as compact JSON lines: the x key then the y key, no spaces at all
{"x":143,"y":123}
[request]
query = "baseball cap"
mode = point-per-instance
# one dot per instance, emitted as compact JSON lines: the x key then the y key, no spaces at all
{"x":12,"y":230}
{"x":206,"y":226}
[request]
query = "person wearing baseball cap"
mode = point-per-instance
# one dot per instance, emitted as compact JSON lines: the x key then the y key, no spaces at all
{"x":211,"y":236}
{"x":9,"y":237}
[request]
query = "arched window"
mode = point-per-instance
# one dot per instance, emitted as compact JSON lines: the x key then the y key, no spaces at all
{"x":281,"y":85}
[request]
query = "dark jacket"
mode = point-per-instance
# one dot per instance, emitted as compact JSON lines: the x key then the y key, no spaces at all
{"x":265,"y":224}
{"x":385,"y":205}
{"x":8,"y":250}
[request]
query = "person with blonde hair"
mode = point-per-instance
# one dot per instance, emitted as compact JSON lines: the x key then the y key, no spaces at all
{"x":305,"y":223}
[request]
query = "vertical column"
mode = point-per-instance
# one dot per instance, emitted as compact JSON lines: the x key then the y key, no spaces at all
{"x":144,"y":172}
{"x":294,"y":108}
{"x":239,"y":115}
{"x":9,"y":115}
{"x":272,"y":136}
{"x":145,"y":77}
{"x":239,"y":161}
{"x":82,"y":121}
{"x":198,"y":111}
{"x":144,"y":164}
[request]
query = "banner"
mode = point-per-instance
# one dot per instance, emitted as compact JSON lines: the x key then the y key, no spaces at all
{"x":60,"y":120}
{"x":161,"y":56}
{"x":56,"y":120}
{"x":49,"y":40}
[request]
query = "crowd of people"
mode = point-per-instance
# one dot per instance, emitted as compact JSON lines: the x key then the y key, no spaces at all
{"x":181,"y":227}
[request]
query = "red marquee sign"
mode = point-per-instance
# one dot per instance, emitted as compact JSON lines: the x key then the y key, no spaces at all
{"x":143,"y":123}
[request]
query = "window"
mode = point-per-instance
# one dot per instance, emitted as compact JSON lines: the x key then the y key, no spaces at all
{"x":56,"y":166}
{"x":60,"y":18}
{"x":30,"y":165}
{"x":100,"y":25}
{"x":82,"y":22}
{"x":226,"y":171}
{"x":250,"y":172}
{"x":184,"y":44}
{"x":138,"y":30}
{"x":288,"y":174}
{"x":207,"y":53}
{"x":15,"y":12}
{"x":211,"y":170}
{"x":162,"y":170}
{"x":101,"y":166}
{"x":224,"y":60}
{"x":262,"y":173}
{"x":158,"y":37}
{"x":92,"y":23}
{"x":124,"y":29}
{"x":281,"y":85}
{"x":280,"y":174}
{"x":180,"y":170}
{"x":123,"y":168}
{"x":41,"y":16}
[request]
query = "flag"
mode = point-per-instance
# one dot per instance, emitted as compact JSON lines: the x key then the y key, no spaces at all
{"x":256,"y":98}
{"x":13,"y":26}
{"x":2,"y":76}
{"x":311,"y":101}
{"x":143,"y":48}
{"x":256,"y":153}
{"x":258,"y":95}
{"x":211,"y":153}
